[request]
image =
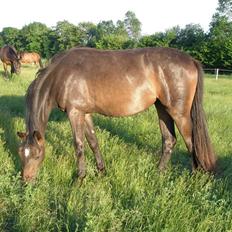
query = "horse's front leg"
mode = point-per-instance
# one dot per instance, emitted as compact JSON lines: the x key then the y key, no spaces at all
{"x":5,"y":69}
{"x":77,"y":121}
{"x":93,"y":143}
{"x":12,"y":69}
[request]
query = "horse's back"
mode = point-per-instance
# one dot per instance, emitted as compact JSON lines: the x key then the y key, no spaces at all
{"x":8,"y":54}
{"x":122,"y":82}
{"x":36,"y":56}
{"x":29,"y":57}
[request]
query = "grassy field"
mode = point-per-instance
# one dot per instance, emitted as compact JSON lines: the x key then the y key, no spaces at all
{"x":132,"y":195}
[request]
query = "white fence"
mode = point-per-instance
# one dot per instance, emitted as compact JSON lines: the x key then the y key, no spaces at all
{"x":218,"y":71}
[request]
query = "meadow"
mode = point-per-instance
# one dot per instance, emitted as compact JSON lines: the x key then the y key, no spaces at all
{"x":132,"y":195}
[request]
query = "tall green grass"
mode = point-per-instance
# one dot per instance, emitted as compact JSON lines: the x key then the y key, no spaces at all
{"x":132,"y":195}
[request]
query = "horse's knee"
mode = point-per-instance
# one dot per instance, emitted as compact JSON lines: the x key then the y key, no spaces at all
{"x":168,"y":145}
{"x":169,"y":142}
{"x":79,"y":148}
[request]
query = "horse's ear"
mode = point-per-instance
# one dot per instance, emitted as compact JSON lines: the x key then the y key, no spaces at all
{"x":22,"y":135}
{"x":38,"y":137}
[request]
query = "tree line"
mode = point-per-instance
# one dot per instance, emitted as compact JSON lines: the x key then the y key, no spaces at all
{"x":212,"y":48}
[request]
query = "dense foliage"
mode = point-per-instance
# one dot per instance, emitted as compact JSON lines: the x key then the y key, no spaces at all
{"x":213,"y":48}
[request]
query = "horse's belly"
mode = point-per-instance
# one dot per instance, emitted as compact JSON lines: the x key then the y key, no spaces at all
{"x":128,"y":105}
{"x":7,"y":62}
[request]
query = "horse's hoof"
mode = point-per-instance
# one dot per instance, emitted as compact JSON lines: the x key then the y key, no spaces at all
{"x":161,"y":168}
{"x":78,"y":180}
{"x":101,"y":167}
{"x":81,"y":174}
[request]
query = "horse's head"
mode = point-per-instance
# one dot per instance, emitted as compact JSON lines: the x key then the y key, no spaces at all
{"x":31,"y":152}
{"x":19,"y":54}
{"x":16,"y":66}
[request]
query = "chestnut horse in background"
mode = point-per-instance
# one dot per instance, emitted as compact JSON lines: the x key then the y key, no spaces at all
{"x":83,"y":81}
{"x":30,"y":58}
{"x":8,"y":56}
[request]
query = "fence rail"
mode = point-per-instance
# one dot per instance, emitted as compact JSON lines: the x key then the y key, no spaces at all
{"x":218,"y":71}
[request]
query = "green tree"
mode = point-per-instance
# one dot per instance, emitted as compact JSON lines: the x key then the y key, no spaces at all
{"x":111,"y":41}
{"x":50,"y":44}
{"x":1,"y":41}
{"x":159,"y":39}
{"x":192,"y":39}
{"x":68,"y":35}
{"x":33,"y":37}
{"x":121,"y":29}
{"x":225,"y":8}
{"x":132,"y":25}
{"x":107,"y":35}
{"x":106,"y":27}
{"x":10,"y":36}
{"x":87,"y":34}
{"x":220,"y":42}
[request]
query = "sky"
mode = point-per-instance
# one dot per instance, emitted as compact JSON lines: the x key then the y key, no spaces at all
{"x":155,"y":15}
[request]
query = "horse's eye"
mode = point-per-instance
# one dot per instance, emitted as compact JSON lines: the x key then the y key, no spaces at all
{"x":37,"y":157}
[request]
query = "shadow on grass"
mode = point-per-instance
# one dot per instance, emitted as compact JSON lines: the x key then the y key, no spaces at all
{"x":9,"y":137}
{"x":223,"y":172}
{"x":15,"y":105}
{"x":11,"y":107}
{"x":105,"y":123}
{"x":6,"y":77}
{"x":224,"y":169}
{"x":9,"y":76}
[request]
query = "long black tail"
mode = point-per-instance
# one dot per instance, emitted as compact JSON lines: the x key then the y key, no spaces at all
{"x":203,"y":153}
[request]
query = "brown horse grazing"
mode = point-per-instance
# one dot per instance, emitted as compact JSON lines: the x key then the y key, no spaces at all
{"x":30,"y":58}
{"x":8,"y":56}
{"x":118,"y":83}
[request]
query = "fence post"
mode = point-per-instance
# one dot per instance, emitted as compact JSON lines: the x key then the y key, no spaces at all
{"x":217,"y":71}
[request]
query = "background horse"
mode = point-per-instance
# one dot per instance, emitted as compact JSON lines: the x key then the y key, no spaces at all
{"x":118,"y":83}
{"x":30,"y":58}
{"x":8,"y":56}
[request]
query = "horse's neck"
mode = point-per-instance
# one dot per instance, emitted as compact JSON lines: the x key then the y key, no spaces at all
{"x":38,"y":111}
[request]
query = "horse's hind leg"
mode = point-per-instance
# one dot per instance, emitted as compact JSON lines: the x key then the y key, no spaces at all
{"x":168,"y":134}
{"x":77,"y":121}
{"x":184,"y":125}
{"x":92,"y":141}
